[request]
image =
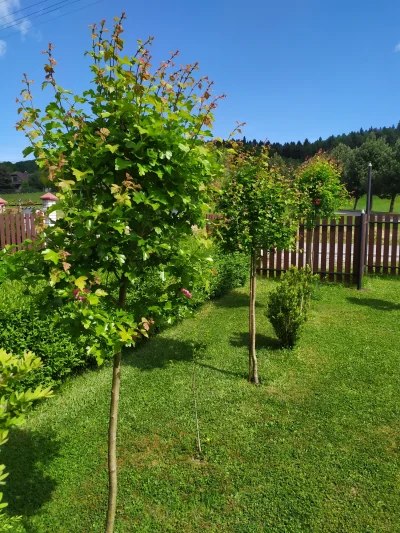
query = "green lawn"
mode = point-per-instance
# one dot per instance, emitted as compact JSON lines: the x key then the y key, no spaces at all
{"x":13,"y":198}
{"x":379,"y":205}
{"x":314,"y":449}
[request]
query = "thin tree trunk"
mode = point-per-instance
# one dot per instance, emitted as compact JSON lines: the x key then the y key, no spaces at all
{"x":310,"y":251}
{"x":252,"y":347}
{"x":355,"y":203}
{"x":392,"y":200}
{"x":250,"y":320}
{"x":112,"y":428}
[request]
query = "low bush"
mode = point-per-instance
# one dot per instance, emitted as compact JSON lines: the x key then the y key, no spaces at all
{"x":27,"y":326}
{"x":230,"y":271}
{"x":289,"y":303}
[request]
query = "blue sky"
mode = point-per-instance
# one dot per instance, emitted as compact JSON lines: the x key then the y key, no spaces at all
{"x":291,"y":69}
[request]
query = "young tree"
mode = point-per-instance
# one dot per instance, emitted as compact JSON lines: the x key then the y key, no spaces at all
{"x":257,"y":209}
{"x":130,"y":159}
{"x":320,"y":193}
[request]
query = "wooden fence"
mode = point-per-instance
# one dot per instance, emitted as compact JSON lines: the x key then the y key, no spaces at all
{"x":15,"y":228}
{"x":343,"y":248}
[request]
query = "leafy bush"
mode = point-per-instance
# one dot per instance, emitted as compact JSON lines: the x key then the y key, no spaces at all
{"x":25,"y":325}
{"x":288,"y":304}
{"x":230,"y":271}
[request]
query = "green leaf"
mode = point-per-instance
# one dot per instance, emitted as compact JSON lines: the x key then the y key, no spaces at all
{"x":121,"y":164}
{"x":168,"y":154}
{"x":81,"y":282}
{"x":105,"y":114}
{"x":51,"y":255}
{"x":28,"y":150}
{"x":112,"y":147}
{"x":93,"y":299}
{"x":78,"y":174}
{"x":100,"y":292}
{"x":184,"y":147}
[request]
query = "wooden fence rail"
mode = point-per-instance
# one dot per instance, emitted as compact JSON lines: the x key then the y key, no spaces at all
{"x":16,"y":228}
{"x":340,"y":249}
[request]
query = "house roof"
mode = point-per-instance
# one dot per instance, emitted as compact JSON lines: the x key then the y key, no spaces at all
{"x":48,"y":196}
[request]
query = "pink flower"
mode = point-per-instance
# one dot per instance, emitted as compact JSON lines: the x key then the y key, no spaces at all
{"x":186,"y":293}
{"x":78,"y":296}
{"x":317,"y":201}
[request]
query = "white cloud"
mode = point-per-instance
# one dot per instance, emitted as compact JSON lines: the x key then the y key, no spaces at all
{"x":11,"y":23}
{"x":397,"y":48}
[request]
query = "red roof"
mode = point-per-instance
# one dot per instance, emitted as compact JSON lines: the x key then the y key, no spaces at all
{"x":3,"y":202}
{"x":48,"y":196}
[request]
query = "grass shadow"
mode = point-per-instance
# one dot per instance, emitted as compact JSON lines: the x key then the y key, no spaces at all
{"x":240,"y":340}
{"x":223,"y":371}
{"x":235,"y":300}
{"x":28,"y":488}
{"x":375,"y":303}
{"x":159,"y":351}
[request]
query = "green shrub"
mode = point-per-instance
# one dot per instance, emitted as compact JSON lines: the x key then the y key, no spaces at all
{"x":27,"y":326}
{"x":289,"y":303}
{"x":230,"y":271}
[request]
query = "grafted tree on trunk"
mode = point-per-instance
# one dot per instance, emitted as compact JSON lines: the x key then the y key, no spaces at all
{"x":133,"y":169}
{"x":258,"y":208}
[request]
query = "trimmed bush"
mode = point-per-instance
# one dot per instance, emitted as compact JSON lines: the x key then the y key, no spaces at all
{"x":289,"y":303}
{"x":25,"y":327}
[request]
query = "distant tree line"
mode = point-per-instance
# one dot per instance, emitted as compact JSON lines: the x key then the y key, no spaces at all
{"x":353,"y":151}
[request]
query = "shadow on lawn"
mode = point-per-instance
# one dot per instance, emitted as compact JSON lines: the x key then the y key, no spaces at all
{"x":223,"y":371}
{"x":159,"y":351}
{"x":28,"y":488}
{"x":374,"y":303}
{"x":235,"y":300}
{"x":239,"y":340}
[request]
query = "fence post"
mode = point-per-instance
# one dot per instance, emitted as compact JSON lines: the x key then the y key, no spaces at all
{"x":361,"y":263}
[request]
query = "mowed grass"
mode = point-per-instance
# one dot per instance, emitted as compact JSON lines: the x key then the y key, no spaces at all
{"x":25,"y":197}
{"x":314,"y":449}
{"x":379,"y":205}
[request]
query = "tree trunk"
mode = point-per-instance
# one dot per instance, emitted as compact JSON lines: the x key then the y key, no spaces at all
{"x":355,"y":203}
{"x":253,"y":363}
{"x":112,"y":428}
{"x":392,"y":200}
{"x":250,"y":319}
{"x":310,"y":252}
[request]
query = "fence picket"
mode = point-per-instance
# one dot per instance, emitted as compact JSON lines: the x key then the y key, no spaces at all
{"x":324,"y":239}
{"x":349,"y":238}
{"x":386,"y":241}
{"x":2,"y":232}
{"x":378,"y":246}
{"x":371,"y":244}
{"x":278,"y":269}
{"x":393,"y":260}
{"x":339,"y":276}
{"x":332,"y":250}
{"x":315,"y":258}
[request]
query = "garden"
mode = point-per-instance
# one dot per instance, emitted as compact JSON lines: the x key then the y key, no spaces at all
{"x":174,"y":388}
